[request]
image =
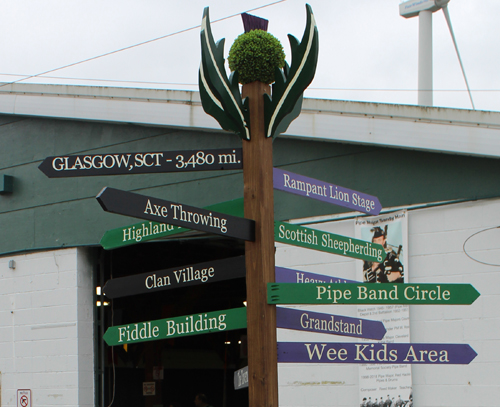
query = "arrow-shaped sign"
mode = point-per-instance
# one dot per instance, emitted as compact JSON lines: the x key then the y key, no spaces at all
{"x":149,"y":208}
{"x":379,"y":353}
{"x":328,"y":242}
{"x":286,"y":275}
{"x":186,"y":325}
{"x":299,"y":320}
{"x":193,"y":274}
{"x":142,"y":163}
{"x":386,"y":293}
{"x":144,"y":231}
{"x":323,"y":191}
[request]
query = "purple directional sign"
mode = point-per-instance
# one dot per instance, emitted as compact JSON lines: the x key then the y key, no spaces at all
{"x":286,"y":275}
{"x":377,"y":353}
{"x":329,"y":324}
{"x":323,"y":191}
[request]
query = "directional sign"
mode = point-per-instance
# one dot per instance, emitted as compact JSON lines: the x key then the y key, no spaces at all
{"x":194,"y":274}
{"x":149,"y":208}
{"x":328,"y":242}
{"x":241,"y":378}
{"x":379,"y":353}
{"x":286,"y":275}
{"x":323,"y":191}
{"x":144,"y":231}
{"x":387,"y":293}
{"x":142,"y":163}
{"x":186,"y":325}
{"x":299,"y":320}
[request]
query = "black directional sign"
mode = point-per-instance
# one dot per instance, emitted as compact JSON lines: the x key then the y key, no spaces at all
{"x":142,"y":163}
{"x":193,"y":274}
{"x":149,"y":208}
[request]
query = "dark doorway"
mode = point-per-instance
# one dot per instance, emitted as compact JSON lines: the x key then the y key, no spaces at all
{"x":189,"y":365}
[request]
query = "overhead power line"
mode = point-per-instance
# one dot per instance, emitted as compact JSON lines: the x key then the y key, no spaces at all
{"x":138,"y":44}
{"x":196,"y":84}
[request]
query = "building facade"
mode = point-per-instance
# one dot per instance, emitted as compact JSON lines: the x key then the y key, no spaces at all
{"x":441,"y":166}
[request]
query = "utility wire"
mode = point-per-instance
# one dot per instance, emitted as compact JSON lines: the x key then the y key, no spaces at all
{"x":137,"y":45}
{"x":196,"y":84}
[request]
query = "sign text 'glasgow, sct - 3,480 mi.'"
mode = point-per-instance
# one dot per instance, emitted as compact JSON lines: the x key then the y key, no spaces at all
{"x":142,"y":163}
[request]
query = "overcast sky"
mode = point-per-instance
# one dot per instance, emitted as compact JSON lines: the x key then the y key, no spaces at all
{"x":368,"y":52}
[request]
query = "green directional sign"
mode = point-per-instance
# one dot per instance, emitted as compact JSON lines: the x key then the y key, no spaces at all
{"x":387,"y":294}
{"x":149,"y":230}
{"x":186,"y":325}
{"x":328,"y":242}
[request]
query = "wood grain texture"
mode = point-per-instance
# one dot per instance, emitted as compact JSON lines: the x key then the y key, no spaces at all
{"x":259,"y":206}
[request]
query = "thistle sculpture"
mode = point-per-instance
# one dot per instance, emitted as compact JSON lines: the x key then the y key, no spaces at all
{"x":257,"y":60}
{"x":220,"y":95}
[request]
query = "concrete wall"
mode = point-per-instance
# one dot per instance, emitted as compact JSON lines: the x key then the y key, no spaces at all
{"x":436,"y":255}
{"x":46,"y":328}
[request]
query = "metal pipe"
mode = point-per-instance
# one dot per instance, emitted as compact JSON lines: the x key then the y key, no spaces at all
{"x":425,"y":58}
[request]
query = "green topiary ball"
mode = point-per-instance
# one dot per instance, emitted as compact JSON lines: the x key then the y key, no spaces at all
{"x":255,"y":56}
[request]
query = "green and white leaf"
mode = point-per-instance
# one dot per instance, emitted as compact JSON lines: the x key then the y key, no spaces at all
{"x":220,"y":96}
{"x":285,"y":104}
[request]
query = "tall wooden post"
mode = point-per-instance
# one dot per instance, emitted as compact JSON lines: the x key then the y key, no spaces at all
{"x":259,"y":205}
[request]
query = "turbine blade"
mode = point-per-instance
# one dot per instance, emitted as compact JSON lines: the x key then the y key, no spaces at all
{"x":448,"y":20}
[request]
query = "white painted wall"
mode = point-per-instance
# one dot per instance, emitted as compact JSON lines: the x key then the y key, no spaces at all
{"x":46,"y":328}
{"x":436,"y":239}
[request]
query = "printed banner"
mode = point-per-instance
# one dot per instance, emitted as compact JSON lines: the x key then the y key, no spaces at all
{"x":391,"y":231}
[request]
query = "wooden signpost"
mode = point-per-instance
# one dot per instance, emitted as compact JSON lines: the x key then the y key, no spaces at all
{"x":259,"y":205}
{"x":177,"y":277}
{"x":386,"y":293}
{"x":141,"y":163}
{"x":154,"y":209}
{"x":257,"y":115}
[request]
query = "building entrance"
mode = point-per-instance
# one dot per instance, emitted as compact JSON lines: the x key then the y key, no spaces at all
{"x":171,"y":371}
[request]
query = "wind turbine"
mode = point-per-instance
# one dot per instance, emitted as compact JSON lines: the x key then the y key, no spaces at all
{"x":424,"y":9}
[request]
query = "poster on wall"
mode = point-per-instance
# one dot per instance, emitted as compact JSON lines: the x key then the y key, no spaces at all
{"x":386,"y":384}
